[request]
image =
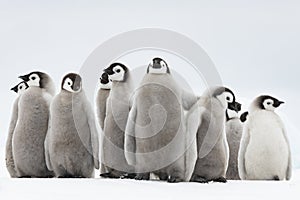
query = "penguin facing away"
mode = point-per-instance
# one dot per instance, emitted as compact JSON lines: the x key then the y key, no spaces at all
{"x":102,"y":96}
{"x":117,"y":109}
{"x":264,"y":151}
{"x":234,"y":130}
{"x":32,"y":126}
{"x":155,"y":129}
{"x":72,"y":145}
{"x":10,"y":164}
{"x":212,"y":146}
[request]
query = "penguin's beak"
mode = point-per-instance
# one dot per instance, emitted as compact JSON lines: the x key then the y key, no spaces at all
{"x":24,"y":78}
{"x":278,"y":103}
{"x":236,"y":106}
{"x":109,"y":71}
{"x":15,"y":89}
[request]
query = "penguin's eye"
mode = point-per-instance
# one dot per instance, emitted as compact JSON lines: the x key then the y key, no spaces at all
{"x":33,"y":78}
{"x":269,"y":103}
{"x":118,"y":70}
{"x":69,"y":83}
{"x":228,"y":98}
{"x":20,"y":87}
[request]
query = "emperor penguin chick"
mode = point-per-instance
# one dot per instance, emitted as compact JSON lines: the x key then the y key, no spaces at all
{"x":10,"y":164}
{"x":234,"y":130}
{"x":155,"y":131}
{"x":117,"y":109}
{"x":72,"y":145}
{"x":32,"y":126}
{"x":264,"y":151}
{"x":102,"y":96}
{"x":212,"y":146}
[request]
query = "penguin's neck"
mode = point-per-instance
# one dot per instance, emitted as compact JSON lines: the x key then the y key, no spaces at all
{"x":122,"y":89}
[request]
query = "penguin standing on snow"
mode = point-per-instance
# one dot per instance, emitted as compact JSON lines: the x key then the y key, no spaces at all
{"x":155,"y":132}
{"x":10,"y":164}
{"x":212,"y":146}
{"x":117,"y":109}
{"x":32,"y":126}
{"x":234,"y":130}
{"x":72,"y":145}
{"x":264,"y":151}
{"x":102,"y":96}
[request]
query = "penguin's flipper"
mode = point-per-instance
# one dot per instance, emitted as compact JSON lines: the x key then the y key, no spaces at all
{"x":193,"y":121}
{"x":241,"y":156}
{"x":210,"y":131}
{"x":289,"y":167}
{"x":10,"y":164}
{"x":94,"y":133}
{"x":129,"y":143}
{"x":46,"y":145}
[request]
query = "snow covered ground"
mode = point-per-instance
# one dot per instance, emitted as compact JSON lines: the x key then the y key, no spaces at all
{"x":130,"y":189}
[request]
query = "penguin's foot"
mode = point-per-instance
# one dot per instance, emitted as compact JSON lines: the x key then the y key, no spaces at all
{"x":163,"y":176}
{"x":25,"y":177}
{"x":276,"y":178}
{"x":144,"y":176}
{"x":130,"y":176}
{"x":198,"y":179}
{"x":66,"y":176}
{"x":220,"y":180}
{"x":109,"y":175}
{"x":173,"y":179}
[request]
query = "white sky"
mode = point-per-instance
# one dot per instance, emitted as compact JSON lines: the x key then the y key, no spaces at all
{"x":254,"y":44}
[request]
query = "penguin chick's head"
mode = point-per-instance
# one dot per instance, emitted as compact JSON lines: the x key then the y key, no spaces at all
{"x":72,"y":83}
{"x":267,"y":102}
{"x":158,"y":66}
{"x":38,"y":79}
{"x":227,"y":99}
{"x":105,"y":82}
{"x":20,"y":88}
{"x":117,"y":72}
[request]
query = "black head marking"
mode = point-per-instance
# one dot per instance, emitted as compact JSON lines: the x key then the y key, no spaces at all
{"x":261,"y":99}
{"x":104,"y":79}
{"x":43,"y":78}
{"x":76,"y":79}
{"x":244,"y":116}
{"x":220,"y":90}
{"x":156,"y":64}
{"x":110,"y":70}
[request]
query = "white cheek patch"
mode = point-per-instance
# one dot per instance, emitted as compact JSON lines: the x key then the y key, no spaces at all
{"x":117,"y":76}
{"x":269,"y":106}
{"x":68,"y":85}
{"x":232,"y":114}
{"x":162,"y":70}
{"x":35,"y":82}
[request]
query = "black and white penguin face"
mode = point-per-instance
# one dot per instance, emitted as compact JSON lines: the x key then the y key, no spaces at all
{"x":227,"y":99}
{"x":268,"y":103}
{"x":33,"y":79}
{"x":105,"y":82}
{"x":158,"y":66}
{"x":72,"y":83}
{"x":117,"y":72}
{"x":20,"y":88}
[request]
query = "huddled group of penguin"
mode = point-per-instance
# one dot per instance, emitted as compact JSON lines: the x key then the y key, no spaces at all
{"x":158,"y":129}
